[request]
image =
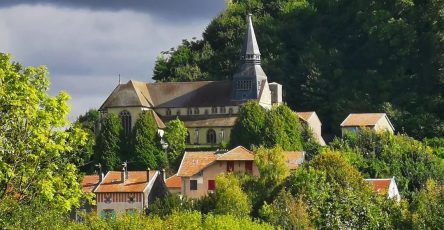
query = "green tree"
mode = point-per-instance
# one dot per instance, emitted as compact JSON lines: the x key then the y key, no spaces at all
{"x":230,"y":199}
{"x":108,"y":143}
{"x":379,"y":155}
{"x":336,"y":194}
{"x":282,"y":128}
{"x":249,"y":126}
{"x":428,"y":210}
{"x":89,"y":123}
{"x":272,"y":165}
{"x":175,"y":135}
{"x":36,"y":153}
{"x":145,"y":141}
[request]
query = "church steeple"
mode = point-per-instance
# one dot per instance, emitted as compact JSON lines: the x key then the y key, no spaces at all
{"x":249,"y":81}
{"x":250,"y":50}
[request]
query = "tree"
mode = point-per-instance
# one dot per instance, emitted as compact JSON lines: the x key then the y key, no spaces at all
{"x":336,"y":57}
{"x":89,"y":123}
{"x":249,"y":127}
{"x":379,"y":155}
{"x":230,"y":199}
{"x":175,"y":135}
{"x":108,"y":144}
{"x":336,"y":194}
{"x":272,"y":165}
{"x":36,"y":153}
{"x":147,"y":151}
{"x":427,"y":207}
{"x":287,"y":212}
{"x":282,"y":128}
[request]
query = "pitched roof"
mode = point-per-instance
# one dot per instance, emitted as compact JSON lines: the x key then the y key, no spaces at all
{"x":237,"y":154}
{"x":171,"y":94}
{"x":194,"y":162}
{"x":362,"y":119}
{"x":173,"y":182}
{"x":380,"y":186}
{"x":305,"y":115}
{"x":206,"y":121}
{"x":89,"y":182}
{"x":159,"y":121}
{"x":294,"y":158}
{"x":136,"y":182}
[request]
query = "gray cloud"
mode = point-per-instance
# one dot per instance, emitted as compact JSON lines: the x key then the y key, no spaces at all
{"x":85,"y":50}
{"x":165,"y":9}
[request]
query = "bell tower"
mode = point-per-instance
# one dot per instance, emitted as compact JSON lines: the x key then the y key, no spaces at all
{"x":250,"y":79}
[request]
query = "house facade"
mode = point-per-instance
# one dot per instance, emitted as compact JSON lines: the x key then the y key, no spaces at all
{"x":128,"y":191}
{"x":375,"y":121}
{"x":198,"y":170}
{"x":208,"y":108}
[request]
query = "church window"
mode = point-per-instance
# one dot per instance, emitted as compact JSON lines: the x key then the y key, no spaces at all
{"x":223,"y":110}
{"x":214,"y":110}
{"x":211,"y":136}
{"x":190,"y":111}
{"x":196,"y":110}
{"x":168,"y":112}
{"x":197,"y":136}
{"x":244,"y":84}
{"x":125,"y":117}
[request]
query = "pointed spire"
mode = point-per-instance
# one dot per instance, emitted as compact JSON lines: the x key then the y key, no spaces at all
{"x":250,"y":50}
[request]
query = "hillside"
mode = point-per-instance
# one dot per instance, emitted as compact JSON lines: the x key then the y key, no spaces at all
{"x":334,"y":57}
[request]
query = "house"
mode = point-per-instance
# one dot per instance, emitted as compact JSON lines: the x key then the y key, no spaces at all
{"x":386,"y":187}
{"x":173,"y":183}
{"x":209,"y":109}
{"x":198,"y":170}
{"x":375,"y":121}
{"x":128,"y":191}
{"x":89,"y":183}
{"x":312,"y":120}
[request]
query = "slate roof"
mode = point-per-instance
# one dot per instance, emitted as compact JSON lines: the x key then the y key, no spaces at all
{"x":136,"y":182}
{"x":173,"y":182}
{"x":89,"y":182}
{"x":362,"y":119}
{"x":171,"y":94}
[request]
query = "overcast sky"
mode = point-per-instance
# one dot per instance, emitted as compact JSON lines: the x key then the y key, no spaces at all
{"x":86,"y":44}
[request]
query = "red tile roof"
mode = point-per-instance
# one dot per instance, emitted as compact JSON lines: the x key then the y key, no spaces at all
{"x":173,"y":182}
{"x":194,"y":162}
{"x":381,"y":186}
{"x":237,"y":154}
{"x":136,"y":182}
{"x":89,"y":182}
{"x":362,"y":119}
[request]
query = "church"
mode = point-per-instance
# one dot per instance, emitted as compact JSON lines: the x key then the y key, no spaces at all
{"x":209,"y":109}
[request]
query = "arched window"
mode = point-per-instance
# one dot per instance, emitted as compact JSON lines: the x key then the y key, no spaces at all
{"x":125,"y":117}
{"x":188,"y":139}
{"x":168,"y":112}
{"x":211,"y":136}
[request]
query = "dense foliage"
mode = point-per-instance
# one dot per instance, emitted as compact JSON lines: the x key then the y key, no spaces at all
{"x":109,"y":143}
{"x":257,"y":126}
{"x":175,"y":135}
{"x":383,"y":155}
{"x":145,"y":144}
{"x":335,"y":57}
{"x":37,"y":155}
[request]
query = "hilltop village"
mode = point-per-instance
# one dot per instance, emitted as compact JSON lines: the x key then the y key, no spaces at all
{"x":209,"y":111}
{"x":305,"y":115}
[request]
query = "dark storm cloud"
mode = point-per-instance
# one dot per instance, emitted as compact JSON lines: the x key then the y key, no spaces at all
{"x":165,"y":9}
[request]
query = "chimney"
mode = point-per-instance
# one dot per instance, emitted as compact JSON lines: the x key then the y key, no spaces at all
{"x":123,"y":175}
{"x":148,"y":175}
{"x":164,"y":175}
{"x":101,"y":176}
